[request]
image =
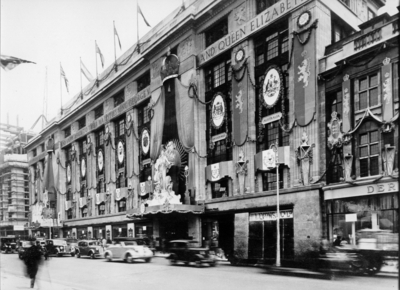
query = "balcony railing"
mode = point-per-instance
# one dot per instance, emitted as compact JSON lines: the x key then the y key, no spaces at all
{"x":367,"y":39}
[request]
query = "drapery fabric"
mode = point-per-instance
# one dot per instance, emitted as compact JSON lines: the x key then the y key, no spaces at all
{"x":49,"y":181}
{"x":184,"y":115}
{"x":217,"y":171}
{"x":239,"y":108}
{"x":157,"y":122}
{"x":387,"y":100}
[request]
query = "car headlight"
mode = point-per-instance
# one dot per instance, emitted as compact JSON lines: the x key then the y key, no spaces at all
{"x":62,"y":248}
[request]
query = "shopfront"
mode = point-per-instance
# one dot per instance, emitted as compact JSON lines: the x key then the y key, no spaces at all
{"x":119,"y":231}
{"x":372,"y":206}
{"x":99,"y":232}
{"x":218,"y":231}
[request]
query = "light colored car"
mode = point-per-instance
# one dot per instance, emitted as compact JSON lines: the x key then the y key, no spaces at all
{"x":128,"y":250}
{"x":90,"y":248}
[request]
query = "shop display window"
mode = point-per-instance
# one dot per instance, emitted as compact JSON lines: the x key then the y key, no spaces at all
{"x":102,"y":209}
{"x":220,"y":188}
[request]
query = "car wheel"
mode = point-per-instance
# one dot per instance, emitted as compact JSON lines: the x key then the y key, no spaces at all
{"x":128,"y":258}
{"x":108,"y":257}
{"x":198,"y":263}
{"x":213,"y":264}
{"x":78,"y":255}
{"x":92,"y":256}
{"x":72,"y":254}
{"x":147,"y":260}
{"x":59,"y":255}
{"x":172,"y":262}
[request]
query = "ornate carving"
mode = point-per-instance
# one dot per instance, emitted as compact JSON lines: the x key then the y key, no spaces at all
{"x":346,"y":77}
{"x":388,"y":159}
{"x":304,"y":156}
{"x":347,"y":164}
{"x":335,"y":132}
{"x":240,"y":14}
{"x":386,"y":61}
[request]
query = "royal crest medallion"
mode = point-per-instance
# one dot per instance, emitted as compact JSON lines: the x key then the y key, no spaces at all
{"x":218,"y":110}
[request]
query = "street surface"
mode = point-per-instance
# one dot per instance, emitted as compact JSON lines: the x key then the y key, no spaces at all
{"x":68,"y":273}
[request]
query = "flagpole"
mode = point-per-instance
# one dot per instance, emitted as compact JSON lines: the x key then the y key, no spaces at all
{"x":61,"y":90}
{"x":137,"y":25}
{"x":115,"y":53}
{"x":97,"y":74}
{"x":80,"y":73}
{"x":278,"y":236}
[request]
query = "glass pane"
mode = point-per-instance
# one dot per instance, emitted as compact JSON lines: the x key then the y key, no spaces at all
{"x":364,"y":139}
{"x":272,"y":49}
{"x":373,"y":81}
{"x":363,"y":167}
{"x":374,"y":165}
{"x":364,"y":151}
{"x":363,"y":84}
{"x":363,"y":104}
{"x":373,"y":97}
{"x":374,"y":136}
{"x":374,"y":149}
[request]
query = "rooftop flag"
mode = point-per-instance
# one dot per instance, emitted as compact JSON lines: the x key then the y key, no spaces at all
{"x":141,"y":13}
{"x":10,"y":62}
{"x":65,"y":78}
{"x":116,"y":34}
{"x":101,"y":55}
{"x":86,"y":72}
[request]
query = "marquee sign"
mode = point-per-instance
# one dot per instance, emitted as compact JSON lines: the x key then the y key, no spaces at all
{"x":121,"y":152}
{"x":218,"y":110}
{"x":272,"y":88}
{"x":145,"y":141}
{"x":100,"y":160}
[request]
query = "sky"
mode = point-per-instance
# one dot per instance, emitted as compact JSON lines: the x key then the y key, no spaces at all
{"x":50,"y":32}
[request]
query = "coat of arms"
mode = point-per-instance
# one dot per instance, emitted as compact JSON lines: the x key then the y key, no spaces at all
{"x":218,"y":111}
{"x":272,"y":86}
{"x":215,"y":171}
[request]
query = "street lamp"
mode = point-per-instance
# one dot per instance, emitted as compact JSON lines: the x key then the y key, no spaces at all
{"x":274,"y":147}
{"x":186,"y":173}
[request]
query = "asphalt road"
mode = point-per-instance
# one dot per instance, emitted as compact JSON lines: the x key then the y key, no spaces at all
{"x":67,"y":273}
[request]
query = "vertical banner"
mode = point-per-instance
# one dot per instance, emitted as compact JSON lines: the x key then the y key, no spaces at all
{"x":304,"y":61}
{"x":387,"y":99}
{"x":240,"y":103}
{"x":346,"y":104}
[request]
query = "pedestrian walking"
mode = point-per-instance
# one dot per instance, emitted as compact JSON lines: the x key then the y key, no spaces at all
{"x":32,"y":260}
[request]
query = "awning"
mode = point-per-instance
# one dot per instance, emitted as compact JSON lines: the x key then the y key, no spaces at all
{"x":165,"y":208}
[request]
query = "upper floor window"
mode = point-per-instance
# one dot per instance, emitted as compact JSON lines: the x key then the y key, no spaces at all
{"x":102,"y":209}
{"x":82,"y":122}
{"x":216,"y":32}
{"x":368,"y":91}
{"x":120,"y":127}
{"x":99,"y":136}
{"x":269,"y":179}
{"x":34,"y":152}
{"x":143,"y":81}
{"x":333,"y":104}
{"x":67,"y":132}
{"x":143,"y":114}
{"x":42,"y":147}
{"x":122,"y":205}
{"x":340,"y":29}
{"x":261,"y":5}
{"x":98,"y":112}
{"x":119,"y":98}
{"x":368,"y":149}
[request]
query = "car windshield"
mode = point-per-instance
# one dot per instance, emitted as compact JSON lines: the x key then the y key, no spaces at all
{"x":26,"y":244}
{"x":73,"y":241}
{"x":93,"y":244}
{"x":59,"y":243}
{"x":130,"y":243}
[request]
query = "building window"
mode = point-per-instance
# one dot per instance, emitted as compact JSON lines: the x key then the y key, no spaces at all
{"x":368,"y":150}
{"x":119,"y":98}
{"x":42,"y":148}
{"x":120,"y":153}
{"x":34,"y":152}
{"x":98,"y":112}
{"x":101,"y":186}
{"x":271,"y":46}
{"x":84,"y":212}
{"x":368,"y":91}
{"x":122,"y":205}
{"x":371,"y":14}
{"x":218,"y":80}
{"x":261,"y":5}
{"x":216,"y":32}
{"x":67,"y":132}
{"x":334,"y":104}
{"x":102,"y":209}
{"x":340,"y":29}
{"x":220,"y":188}
{"x":69,"y":195}
{"x":269,"y":179}
{"x":82,"y":123}
{"x":99,"y":138}
{"x":143,"y":114}
{"x":143,"y":81}
{"x":69,"y":214}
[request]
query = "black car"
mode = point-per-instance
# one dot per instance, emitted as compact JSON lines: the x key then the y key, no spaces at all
{"x":8,"y":245}
{"x":58,"y":247}
{"x":22,"y":247}
{"x":186,"y":251}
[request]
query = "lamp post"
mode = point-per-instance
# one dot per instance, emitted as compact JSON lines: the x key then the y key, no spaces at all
{"x":186,"y":173}
{"x":278,"y":236}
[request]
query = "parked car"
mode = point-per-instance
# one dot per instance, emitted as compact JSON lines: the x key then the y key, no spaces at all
{"x":58,"y":247}
{"x":22,"y":247}
{"x":72,"y":244}
{"x":128,"y":250}
{"x":8,"y":245}
{"x":91,"y":248}
{"x":186,"y":251}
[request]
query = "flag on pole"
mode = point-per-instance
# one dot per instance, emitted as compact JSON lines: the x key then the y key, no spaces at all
{"x":10,"y":62}
{"x":141,"y":13}
{"x":101,"y":55}
{"x":116,"y":34}
{"x":86,"y":72}
{"x":65,"y":78}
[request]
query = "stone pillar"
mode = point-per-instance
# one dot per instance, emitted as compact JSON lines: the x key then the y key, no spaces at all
{"x":241,"y":236}
{"x":194,"y":226}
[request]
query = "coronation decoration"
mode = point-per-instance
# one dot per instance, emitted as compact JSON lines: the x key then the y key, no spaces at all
{"x":121,"y":152}
{"x":335,"y":132}
{"x":269,"y":159}
{"x":218,"y":111}
{"x":239,"y":56}
{"x":304,"y":19}
{"x":145,"y":141}
{"x":69,"y":173}
{"x":272,"y":86}
{"x":100,"y":160}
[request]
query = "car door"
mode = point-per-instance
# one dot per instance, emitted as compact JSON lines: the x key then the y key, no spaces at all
{"x":117,"y":250}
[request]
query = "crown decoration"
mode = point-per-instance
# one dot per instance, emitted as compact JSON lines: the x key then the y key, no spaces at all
{"x":386,"y":61}
{"x":346,"y":77}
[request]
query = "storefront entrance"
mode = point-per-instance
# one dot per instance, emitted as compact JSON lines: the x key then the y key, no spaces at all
{"x":262,"y":235}
{"x":218,"y":232}
{"x":174,"y":226}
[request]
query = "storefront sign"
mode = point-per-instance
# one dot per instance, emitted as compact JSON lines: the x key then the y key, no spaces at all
{"x":271,"y":118}
{"x":218,"y":137}
{"x":362,"y":190}
{"x":271,"y":215}
{"x":259,"y":22}
{"x":122,"y":108}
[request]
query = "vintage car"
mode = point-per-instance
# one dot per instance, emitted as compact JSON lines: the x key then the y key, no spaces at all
{"x":128,"y":250}
{"x":58,"y":247}
{"x":72,"y":244}
{"x":8,"y":245}
{"x":186,"y":252}
{"x":22,"y":247}
{"x":91,"y":248}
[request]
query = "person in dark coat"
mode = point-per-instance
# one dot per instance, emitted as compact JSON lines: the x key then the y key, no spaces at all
{"x":32,"y":259}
